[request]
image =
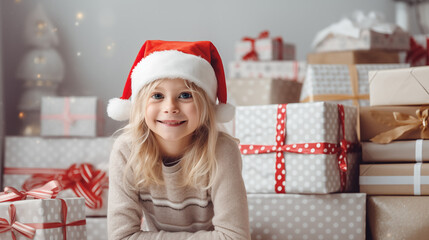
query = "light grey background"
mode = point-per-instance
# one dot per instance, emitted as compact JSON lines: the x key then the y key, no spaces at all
{"x":125,"y":24}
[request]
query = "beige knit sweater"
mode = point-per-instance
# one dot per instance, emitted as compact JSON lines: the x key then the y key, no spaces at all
{"x":173,"y":212}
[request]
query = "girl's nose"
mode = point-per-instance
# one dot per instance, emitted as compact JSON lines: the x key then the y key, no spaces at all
{"x":170,"y":106}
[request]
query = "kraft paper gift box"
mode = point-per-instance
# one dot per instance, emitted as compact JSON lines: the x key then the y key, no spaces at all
{"x":295,"y":216}
{"x":255,"y":91}
{"x":25,"y":156}
{"x":273,"y":151}
{"x":383,"y":123}
{"x":71,"y":116}
{"x":34,"y":213}
{"x":97,"y":228}
{"x":353,"y":57}
{"x":345,"y":84}
{"x":394,"y":179}
{"x":398,"y":217}
{"x":407,"y":86}
{"x":396,"y":151}
{"x":287,"y":70}
{"x":267,"y":49}
{"x":361,"y":32}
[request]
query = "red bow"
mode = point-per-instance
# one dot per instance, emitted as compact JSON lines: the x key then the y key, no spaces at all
{"x":83,"y":179}
{"x":26,"y":230}
{"x":417,"y":52}
{"x":47,"y":191}
{"x":252,"y":55}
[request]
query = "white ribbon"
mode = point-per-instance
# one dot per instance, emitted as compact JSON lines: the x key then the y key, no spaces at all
{"x":419,"y":150}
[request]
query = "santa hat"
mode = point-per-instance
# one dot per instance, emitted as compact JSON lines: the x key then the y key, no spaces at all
{"x":198,"y":62}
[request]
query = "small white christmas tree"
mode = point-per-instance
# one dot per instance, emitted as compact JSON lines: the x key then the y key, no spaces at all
{"x":41,"y":69}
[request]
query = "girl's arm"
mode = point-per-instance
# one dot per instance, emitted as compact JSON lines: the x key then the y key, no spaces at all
{"x":228,"y":195}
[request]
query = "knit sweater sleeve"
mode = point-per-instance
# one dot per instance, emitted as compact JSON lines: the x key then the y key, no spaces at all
{"x":228,"y":195}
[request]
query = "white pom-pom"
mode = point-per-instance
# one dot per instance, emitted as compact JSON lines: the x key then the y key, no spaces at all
{"x":119,"y":109}
{"x":225,"y":112}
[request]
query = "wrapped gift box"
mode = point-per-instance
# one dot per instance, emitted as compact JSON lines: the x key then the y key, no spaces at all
{"x":267,"y":49}
{"x":408,"y":86}
{"x":288,"y":70}
{"x":39,"y":212}
{"x":361,"y":32}
{"x":345,"y":84}
{"x":396,"y":151}
{"x":294,"y":216}
{"x":309,"y":128}
{"x":71,"y":116}
{"x":394,"y":179}
{"x":398,"y":217}
{"x":418,"y":54}
{"x":256,"y":91}
{"x":25,"y":156}
{"x":374,"y":121}
{"x":97,"y":228}
{"x":353,"y":57}
{"x":367,"y":39}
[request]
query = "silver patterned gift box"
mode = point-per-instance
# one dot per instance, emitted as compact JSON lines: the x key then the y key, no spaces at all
{"x":262,"y":91}
{"x":25,"y":156}
{"x":71,"y":116}
{"x":58,"y":219}
{"x":97,"y":228}
{"x":341,"y":83}
{"x":286,"y":70}
{"x":309,"y":138}
{"x":301,"y":217}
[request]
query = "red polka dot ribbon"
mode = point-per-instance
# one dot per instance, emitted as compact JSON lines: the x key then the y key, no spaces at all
{"x":340,"y":149}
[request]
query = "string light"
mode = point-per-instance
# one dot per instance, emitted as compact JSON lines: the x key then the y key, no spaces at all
{"x":21,"y":115}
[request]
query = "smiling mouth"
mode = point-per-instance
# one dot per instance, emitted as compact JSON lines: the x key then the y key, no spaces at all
{"x":171,"y":122}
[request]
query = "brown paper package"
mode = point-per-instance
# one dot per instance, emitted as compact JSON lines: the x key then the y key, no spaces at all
{"x":398,"y":217}
{"x":370,"y":127}
{"x":353,"y":57}
{"x":395,"y":169}
{"x":396,"y":151}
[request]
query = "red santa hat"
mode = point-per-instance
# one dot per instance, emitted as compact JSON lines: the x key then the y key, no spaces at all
{"x":198,"y":62}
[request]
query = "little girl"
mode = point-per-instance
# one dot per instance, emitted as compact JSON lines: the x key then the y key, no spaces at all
{"x":171,"y":164}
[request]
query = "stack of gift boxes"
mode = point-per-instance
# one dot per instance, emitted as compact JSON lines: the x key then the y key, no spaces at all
{"x":70,"y":151}
{"x":394,"y":172}
{"x":264,"y":72}
{"x":301,"y":160}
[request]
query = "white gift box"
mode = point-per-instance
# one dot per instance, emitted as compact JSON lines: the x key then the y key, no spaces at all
{"x":25,"y":156}
{"x":267,"y":49}
{"x":31,"y":213}
{"x":308,"y":127}
{"x":361,"y":32}
{"x":341,"y":83}
{"x":295,"y":216}
{"x":288,"y":70}
{"x":71,"y":116}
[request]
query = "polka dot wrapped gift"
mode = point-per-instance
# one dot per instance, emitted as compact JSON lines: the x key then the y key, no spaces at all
{"x":298,"y":148}
{"x":42,"y":219}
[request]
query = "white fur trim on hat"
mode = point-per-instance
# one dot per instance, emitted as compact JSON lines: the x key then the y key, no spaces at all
{"x":174,"y":64}
{"x":224,"y":112}
{"x":119,"y":109}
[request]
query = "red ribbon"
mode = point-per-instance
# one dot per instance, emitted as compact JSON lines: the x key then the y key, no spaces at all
{"x":252,"y":55}
{"x":417,"y":52}
{"x":29,"y":229}
{"x":302,"y":148}
{"x":68,"y":118}
{"x":47,"y":191}
{"x":83,"y":179}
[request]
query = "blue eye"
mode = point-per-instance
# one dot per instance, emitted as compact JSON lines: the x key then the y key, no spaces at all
{"x":185,"y":95}
{"x":157,"y":96}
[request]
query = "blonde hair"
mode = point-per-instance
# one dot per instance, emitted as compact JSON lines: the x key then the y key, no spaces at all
{"x":198,"y":162}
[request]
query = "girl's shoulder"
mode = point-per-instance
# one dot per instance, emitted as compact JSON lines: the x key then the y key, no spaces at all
{"x":227,"y":147}
{"x":122,"y":144}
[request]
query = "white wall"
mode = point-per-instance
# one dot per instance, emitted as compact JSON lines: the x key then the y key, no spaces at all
{"x":128,"y":23}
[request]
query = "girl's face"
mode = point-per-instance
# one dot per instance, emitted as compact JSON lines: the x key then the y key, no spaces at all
{"x":171,"y":112}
